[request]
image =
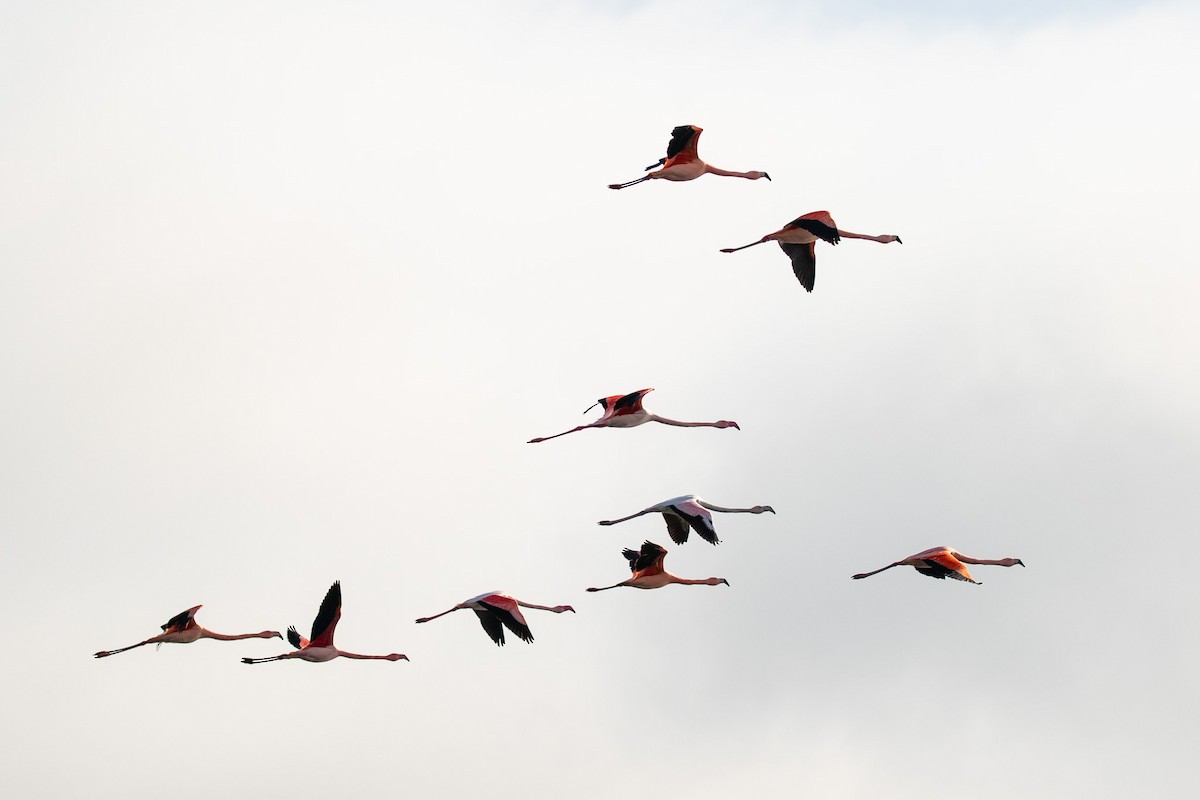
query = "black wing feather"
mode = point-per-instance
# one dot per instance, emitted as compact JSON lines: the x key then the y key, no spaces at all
{"x":293,"y":637}
{"x":328,"y":613}
{"x":817,"y":228}
{"x":628,"y":401}
{"x":648,"y":556}
{"x":491,"y":624}
{"x":699,"y":525}
{"x":677,"y":526}
{"x":804,"y":262}
{"x":681,"y":137}
{"x":179,"y":621}
{"x":522,"y":632}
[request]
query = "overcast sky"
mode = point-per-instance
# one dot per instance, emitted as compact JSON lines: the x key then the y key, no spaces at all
{"x":286,"y":287}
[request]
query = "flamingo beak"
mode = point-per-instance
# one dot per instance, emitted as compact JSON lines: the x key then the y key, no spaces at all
{"x":768,"y":177}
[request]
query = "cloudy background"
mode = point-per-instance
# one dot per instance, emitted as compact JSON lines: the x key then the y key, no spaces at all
{"x":286,"y":287}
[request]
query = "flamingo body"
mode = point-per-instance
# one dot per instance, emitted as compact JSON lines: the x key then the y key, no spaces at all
{"x":319,"y":647}
{"x":943,"y":562}
{"x":683,"y":163}
{"x":497,"y":611}
{"x":183,"y":629}
{"x":798,"y":240}
{"x":625,"y":411}
{"x":648,"y":571}
{"x":689,"y":513}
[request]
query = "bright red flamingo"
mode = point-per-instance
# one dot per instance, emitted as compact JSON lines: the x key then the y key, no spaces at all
{"x":943,"y":562}
{"x":799,"y":237}
{"x":182,"y":629}
{"x":320,"y":647}
{"x":497,"y":611}
{"x":689,"y":512}
{"x":648,"y":572}
{"x":625,"y":411}
{"x":683,"y":164}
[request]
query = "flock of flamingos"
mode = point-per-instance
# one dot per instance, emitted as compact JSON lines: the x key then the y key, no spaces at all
{"x":683,"y":515}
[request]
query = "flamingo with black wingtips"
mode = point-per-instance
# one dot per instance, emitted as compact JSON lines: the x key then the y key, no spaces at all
{"x":943,"y":562}
{"x":319,"y":647}
{"x":648,"y":571}
{"x":183,"y":629}
{"x":799,"y":238}
{"x":689,"y":513}
{"x":497,"y":611}
{"x":683,"y":163}
{"x":625,"y":411}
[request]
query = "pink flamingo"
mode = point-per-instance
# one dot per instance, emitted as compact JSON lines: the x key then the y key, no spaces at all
{"x":182,"y":629}
{"x":943,"y":562}
{"x":648,"y":571}
{"x":799,"y":237}
{"x":625,"y":411}
{"x":689,"y":511}
{"x":497,"y":611}
{"x":682,"y":162}
{"x":320,"y":647}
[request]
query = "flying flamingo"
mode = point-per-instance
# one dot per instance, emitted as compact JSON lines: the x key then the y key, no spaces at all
{"x":799,"y":237}
{"x":648,"y":572}
{"x":320,"y":647}
{"x":625,"y":411}
{"x":683,"y":164}
{"x":182,"y":629}
{"x":689,"y":511}
{"x":943,"y":562}
{"x":497,"y":611}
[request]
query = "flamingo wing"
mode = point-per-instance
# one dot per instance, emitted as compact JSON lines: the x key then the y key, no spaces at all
{"x":506,"y":610}
{"x":295,"y":639}
{"x":649,"y":560}
{"x":700,"y":520}
{"x":181,"y":621}
{"x":677,"y":526}
{"x":630,"y":403}
{"x":944,"y":565}
{"x":327,"y":617}
{"x":804,"y":262}
{"x":819,"y":224}
{"x":683,"y":138}
{"x":491,"y":623}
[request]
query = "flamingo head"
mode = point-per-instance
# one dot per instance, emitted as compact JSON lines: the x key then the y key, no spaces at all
{"x":761,"y":510}
{"x":561,"y":609}
{"x":715,"y":581}
{"x":270,"y":635}
{"x":725,"y":423}
{"x":396,"y":657}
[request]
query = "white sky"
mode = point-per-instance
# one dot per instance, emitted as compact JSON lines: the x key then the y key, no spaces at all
{"x":285,"y":288}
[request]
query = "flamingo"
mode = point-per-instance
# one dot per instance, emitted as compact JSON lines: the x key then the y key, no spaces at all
{"x":182,"y":629}
{"x":689,"y":511}
{"x":799,"y":237}
{"x":648,"y":571}
{"x":943,"y":562}
{"x":497,"y":611}
{"x":625,"y":411}
{"x":683,"y":164}
{"x":320,"y":647}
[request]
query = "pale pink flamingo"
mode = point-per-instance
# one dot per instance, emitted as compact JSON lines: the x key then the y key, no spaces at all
{"x":943,"y":562}
{"x":497,"y":611}
{"x":182,"y":629}
{"x":799,"y":237}
{"x":689,"y":511}
{"x":682,"y":162}
{"x":648,"y":572}
{"x":625,"y":411}
{"x":320,"y":647}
